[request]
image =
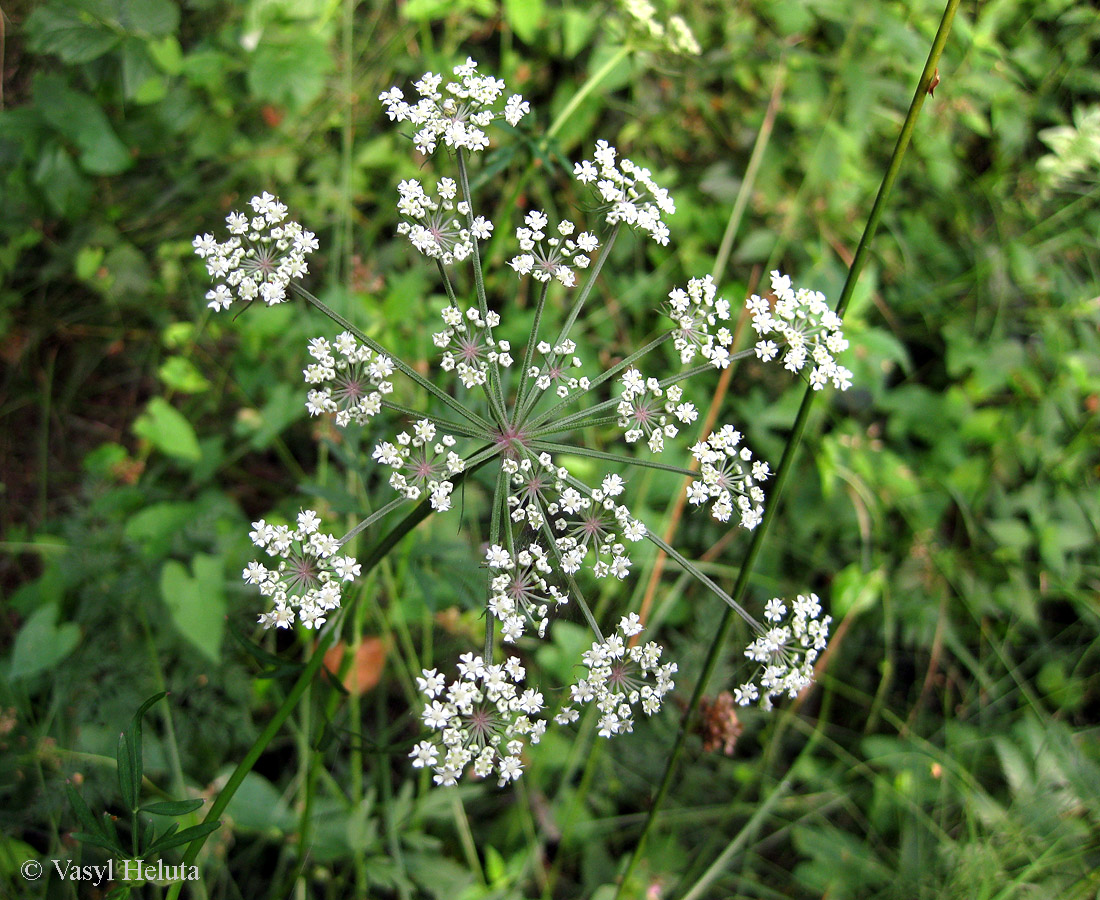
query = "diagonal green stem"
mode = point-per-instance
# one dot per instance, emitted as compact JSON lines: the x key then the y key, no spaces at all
{"x":782,"y":473}
{"x":604,"y":376}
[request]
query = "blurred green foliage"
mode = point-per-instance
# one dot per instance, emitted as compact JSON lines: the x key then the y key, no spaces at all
{"x":947,"y":508}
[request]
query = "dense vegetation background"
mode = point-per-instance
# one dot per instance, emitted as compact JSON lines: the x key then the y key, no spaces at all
{"x":946,"y":508}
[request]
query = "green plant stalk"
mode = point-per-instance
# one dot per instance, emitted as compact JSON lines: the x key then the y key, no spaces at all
{"x":578,"y":98}
{"x":734,"y":847}
{"x":799,"y":427}
{"x":494,"y":389}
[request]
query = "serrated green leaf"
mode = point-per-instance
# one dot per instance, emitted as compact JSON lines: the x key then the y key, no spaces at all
{"x":172,"y":807}
{"x":165,"y":428}
{"x":69,"y":32}
{"x":290,"y":69}
{"x":152,"y":18}
{"x":78,"y":117}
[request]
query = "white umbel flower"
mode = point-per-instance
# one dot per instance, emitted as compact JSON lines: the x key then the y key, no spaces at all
{"x":785,"y":653}
{"x":621,"y":677}
{"x":802,"y":322}
{"x":456,"y":113}
{"x":350,"y":382}
{"x":628,"y":192}
{"x":484,"y":721}
{"x":422,"y":464}
{"x":264,"y":252}
{"x":305,"y":584}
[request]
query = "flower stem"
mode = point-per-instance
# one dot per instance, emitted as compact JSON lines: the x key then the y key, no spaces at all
{"x":529,"y":354}
{"x":578,"y":305}
{"x":578,"y":98}
{"x":493,"y":389}
{"x":446,"y":424}
{"x":551,"y":447}
{"x":717,"y":644}
{"x":596,"y":382}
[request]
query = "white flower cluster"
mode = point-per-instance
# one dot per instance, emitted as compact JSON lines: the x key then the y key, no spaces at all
{"x":803,"y":323}
{"x":551,"y":257}
{"x":619,"y":678}
{"x":353,"y":382}
{"x":420,"y":465}
{"x":677,"y":37}
{"x":695,"y":311}
{"x":468,"y":345}
{"x":729,"y":476}
{"x":434,"y":228}
{"x":520,"y":592}
{"x":592,"y":521}
{"x":263,"y":254}
{"x":629,"y":191}
{"x":482,"y":719}
{"x":555,"y":371}
{"x":582,"y":521}
{"x":644,"y":409}
{"x":458,"y":114}
{"x":306,"y":583}
{"x":786,"y":652}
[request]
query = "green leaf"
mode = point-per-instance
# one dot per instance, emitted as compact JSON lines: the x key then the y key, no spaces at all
{"x":126,"y":771}
{"x":69,"y":32}
{"x":166,"y":53}
{"x":290,"y":69}
{"x":525,"y":16}
{"x":153,"y":528}
{"x":196,"y":601}
{"x":135,"y":750}
{"x":427,"y":10}
{"x":150,"y":18}
{"x":180,"y":374}
{"x":41,"y":643}
{"x":172,"y":807}
{"x":83,"y":812}
{"x":104,"y":842}
{"x":78,"y":118}
{"x":67,"y":190}
{"x":168,"y":832}
{"x":183,"y":837}
{"x":166,"y":429}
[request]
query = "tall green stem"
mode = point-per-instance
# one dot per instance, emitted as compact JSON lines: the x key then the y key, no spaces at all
{"x":718,"y":643}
